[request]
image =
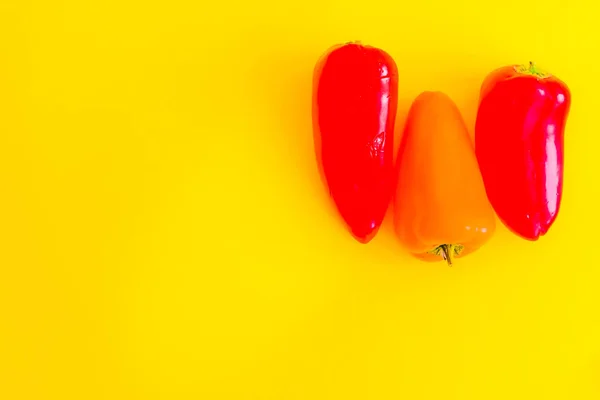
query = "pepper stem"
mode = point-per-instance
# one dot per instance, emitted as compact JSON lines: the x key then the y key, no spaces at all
{"x":532,"y":69}
{"x":448,"y":251}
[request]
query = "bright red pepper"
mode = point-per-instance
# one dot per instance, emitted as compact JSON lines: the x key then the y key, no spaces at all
{"x":354,"y":114}
{"x":519,"y":138}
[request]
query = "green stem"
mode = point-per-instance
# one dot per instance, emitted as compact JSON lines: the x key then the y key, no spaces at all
{"x":447,"y":252}
{"x":532,"y":69}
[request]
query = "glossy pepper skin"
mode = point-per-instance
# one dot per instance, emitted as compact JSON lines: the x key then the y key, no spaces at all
{"x":440,"y":205}
{"x":354,"y":111}
{"x":519,"y":136}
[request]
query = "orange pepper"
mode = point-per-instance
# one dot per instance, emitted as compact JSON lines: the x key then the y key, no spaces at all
{"x":441,"y":210}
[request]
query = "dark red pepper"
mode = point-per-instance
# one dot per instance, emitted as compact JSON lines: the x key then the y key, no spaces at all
{"x":354,"y":113}
{"x":519,"y":141}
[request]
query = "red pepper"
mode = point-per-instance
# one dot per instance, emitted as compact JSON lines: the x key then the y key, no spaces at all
{"x":519,"y":136}
{"x":354,"y":113}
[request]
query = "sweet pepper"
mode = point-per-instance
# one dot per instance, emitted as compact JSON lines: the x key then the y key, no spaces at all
{"x":354,"y":111}
{"x":440,"y":205}
{"x":519,"y":137}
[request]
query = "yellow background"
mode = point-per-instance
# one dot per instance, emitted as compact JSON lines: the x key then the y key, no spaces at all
{"x":164,"y":233}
